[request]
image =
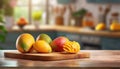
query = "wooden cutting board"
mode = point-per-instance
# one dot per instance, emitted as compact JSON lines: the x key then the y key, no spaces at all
{"x":46,"y":56}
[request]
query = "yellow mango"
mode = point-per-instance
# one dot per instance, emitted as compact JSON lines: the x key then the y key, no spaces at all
{"x":100,"y":26}
{"x":115,"y":27}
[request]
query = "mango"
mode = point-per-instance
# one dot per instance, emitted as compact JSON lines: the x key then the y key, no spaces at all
{"x":115,"y":27}
{"x":44,"y":37}
{"x":42,"y":46}
{"x":100,"y":26}
{"x":71,"y":47}
{"x":24,"y":43}
{"x":57,"y":43}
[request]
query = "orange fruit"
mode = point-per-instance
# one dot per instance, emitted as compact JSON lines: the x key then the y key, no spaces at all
{"x":42,"y":46}
{"x":25,"y":42}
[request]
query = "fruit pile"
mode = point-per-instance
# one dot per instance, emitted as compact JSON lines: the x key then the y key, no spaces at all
{"x":26,"y":44}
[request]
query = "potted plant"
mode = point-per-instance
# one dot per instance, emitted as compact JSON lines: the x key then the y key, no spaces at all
{"x":78,"y":16}
{"x":3,"y":30}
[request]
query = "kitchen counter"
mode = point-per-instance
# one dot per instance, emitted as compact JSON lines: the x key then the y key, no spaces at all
{"x":88,"y":39}
{"x":78,"y":30}
{"x":98,"y":58}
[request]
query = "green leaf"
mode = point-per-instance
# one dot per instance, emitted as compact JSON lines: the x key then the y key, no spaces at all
{"x":1,"y":11}
{"x":3,"y":33}
{"x":3,"y":29}
{"x":2,"y":38}
{"x":1,"y":19}
{"x":80,"y":12}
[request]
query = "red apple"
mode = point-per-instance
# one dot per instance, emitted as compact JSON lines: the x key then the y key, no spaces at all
{"x":57,"y":44}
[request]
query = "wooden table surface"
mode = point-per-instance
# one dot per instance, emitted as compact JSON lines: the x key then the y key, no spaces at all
{"x":98,"y":58}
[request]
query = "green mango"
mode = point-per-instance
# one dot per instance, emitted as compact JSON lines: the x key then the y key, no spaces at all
{"x":44,"y":37}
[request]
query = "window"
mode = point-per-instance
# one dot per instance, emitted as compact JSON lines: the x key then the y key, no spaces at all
{"x":21,"y":10}
{"x":39,"y":11}
{"x":52,"y":4}
{"x":31,"y":10}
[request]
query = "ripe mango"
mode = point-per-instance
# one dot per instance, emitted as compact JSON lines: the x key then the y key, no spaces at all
{"x":42,"y":46}
{"x":57,"y":43}
{"x":100,"y":26}
{"x":115,"y":27}
{"x":71,"y":47}
{"x":24,"y":43}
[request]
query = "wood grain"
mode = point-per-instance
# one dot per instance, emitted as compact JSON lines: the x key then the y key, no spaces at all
{"x":98,"y":58}
{"x":46,"y":56}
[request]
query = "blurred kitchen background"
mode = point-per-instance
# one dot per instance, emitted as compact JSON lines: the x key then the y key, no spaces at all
{"x":95,"y":24}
